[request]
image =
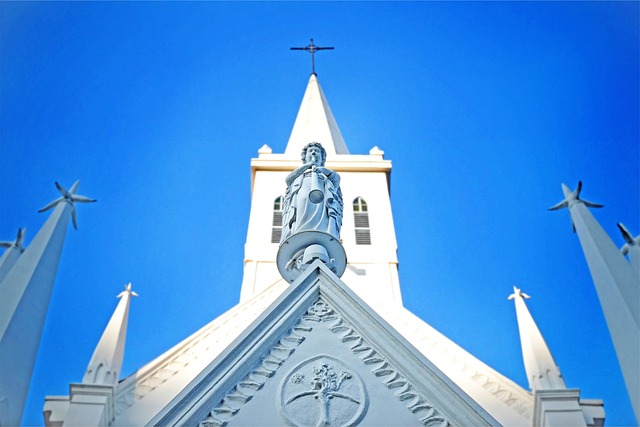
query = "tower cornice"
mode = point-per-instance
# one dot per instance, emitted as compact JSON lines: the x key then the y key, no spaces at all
{"x":337,"y":162}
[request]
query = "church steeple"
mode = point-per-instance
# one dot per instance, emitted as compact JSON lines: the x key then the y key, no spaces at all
{"x":315,"y":122}
{"x":542,"y":371}
{"x":367,"y":233}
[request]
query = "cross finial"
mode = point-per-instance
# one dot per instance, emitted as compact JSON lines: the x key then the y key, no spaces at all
{"x":517,"y":293}
{"x":312,"y":49}
{"x":127,"y":290}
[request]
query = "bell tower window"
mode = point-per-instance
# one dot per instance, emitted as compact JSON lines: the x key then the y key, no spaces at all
{"x":276,"y":230}
{"x":361,"y":221}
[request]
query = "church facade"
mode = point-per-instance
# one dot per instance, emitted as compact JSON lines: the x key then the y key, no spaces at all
{"x":322,"y":350}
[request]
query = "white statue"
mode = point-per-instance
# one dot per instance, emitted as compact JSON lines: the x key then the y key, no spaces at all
{"x":313,"y":200}
{"x":312,"y":216}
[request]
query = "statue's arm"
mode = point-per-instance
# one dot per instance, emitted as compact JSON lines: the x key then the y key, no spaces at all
{"x":331,"y":175}
{"x":296,"y":173}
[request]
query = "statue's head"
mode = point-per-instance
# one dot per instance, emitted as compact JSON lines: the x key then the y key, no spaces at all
{"x":314,"y":150}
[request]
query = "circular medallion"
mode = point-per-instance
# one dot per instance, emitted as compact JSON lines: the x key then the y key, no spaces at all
{"x":322,"y":391}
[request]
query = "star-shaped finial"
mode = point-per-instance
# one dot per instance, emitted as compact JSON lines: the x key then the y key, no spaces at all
{"x":571,"y":198}
{"x":18,"y":243}
{"x":628,"y":238}
{"x":70,"y":197}
{"x":127,"y":291}
{"x":517,"y":293}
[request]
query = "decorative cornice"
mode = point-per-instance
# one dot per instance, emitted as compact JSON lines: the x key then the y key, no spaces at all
{"x":138,"y":385}
{"x":338,"y":162}
{"x":494,"y":386}
{"x":252,"y":383}
{"x":321,"y":314}
{"x":399,"y":385}
{"x":519,"y":400}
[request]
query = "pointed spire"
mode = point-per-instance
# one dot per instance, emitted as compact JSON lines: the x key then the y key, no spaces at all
{"x":617,"y":285}
{"x":631,"y":248}
{"x":13,"y":252}
{"x":315,"y":122}
{"x":26,"y":290}
{"x":92,"y":402}
{"x":106,"y":362}
{"x":542,"y":371}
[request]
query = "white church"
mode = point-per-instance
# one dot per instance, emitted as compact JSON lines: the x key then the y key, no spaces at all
{"x":320,"y":350}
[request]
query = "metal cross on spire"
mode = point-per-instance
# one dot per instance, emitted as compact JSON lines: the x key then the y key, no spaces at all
{"x":312,"y":49}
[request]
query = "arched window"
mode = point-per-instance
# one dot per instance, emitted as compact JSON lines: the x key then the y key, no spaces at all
{"x":276,"y":230}
{"x":361,"y":221}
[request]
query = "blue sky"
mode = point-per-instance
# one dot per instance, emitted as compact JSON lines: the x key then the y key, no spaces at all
{"x":484,"y":109}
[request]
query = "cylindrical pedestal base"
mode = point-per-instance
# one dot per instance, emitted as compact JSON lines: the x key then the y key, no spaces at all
{"x":301,"y":249}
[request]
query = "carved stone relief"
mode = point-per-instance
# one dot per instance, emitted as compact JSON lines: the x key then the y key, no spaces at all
{"x":393,"y":380}
{"x":252,"y":383}
{"x":322,"y":391}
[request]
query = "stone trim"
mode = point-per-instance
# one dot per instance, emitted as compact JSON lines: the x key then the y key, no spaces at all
{"x":252,"y":383}
{"x":379,"y":365}
{"x":321,"y":313}
{"x":198,"y":344}
{"x":519,"y":400}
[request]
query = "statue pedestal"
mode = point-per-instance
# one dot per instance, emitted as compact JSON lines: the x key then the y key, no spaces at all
{"x":301,"y":249}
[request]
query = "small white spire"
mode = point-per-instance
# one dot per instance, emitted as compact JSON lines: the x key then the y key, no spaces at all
{"x":315,"y":123}
{"x":265,"y":149}
{"x":106,"y":362}
{"x":376,"y":151}
{"x":542,"y":371}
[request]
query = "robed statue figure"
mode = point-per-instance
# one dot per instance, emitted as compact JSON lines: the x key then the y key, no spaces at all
{"x":313,"y":200}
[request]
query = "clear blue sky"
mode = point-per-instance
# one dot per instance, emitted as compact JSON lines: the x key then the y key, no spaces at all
{"x":484,"y":109}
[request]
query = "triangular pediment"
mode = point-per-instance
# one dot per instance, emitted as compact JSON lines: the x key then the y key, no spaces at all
{"x":320,"y":356}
